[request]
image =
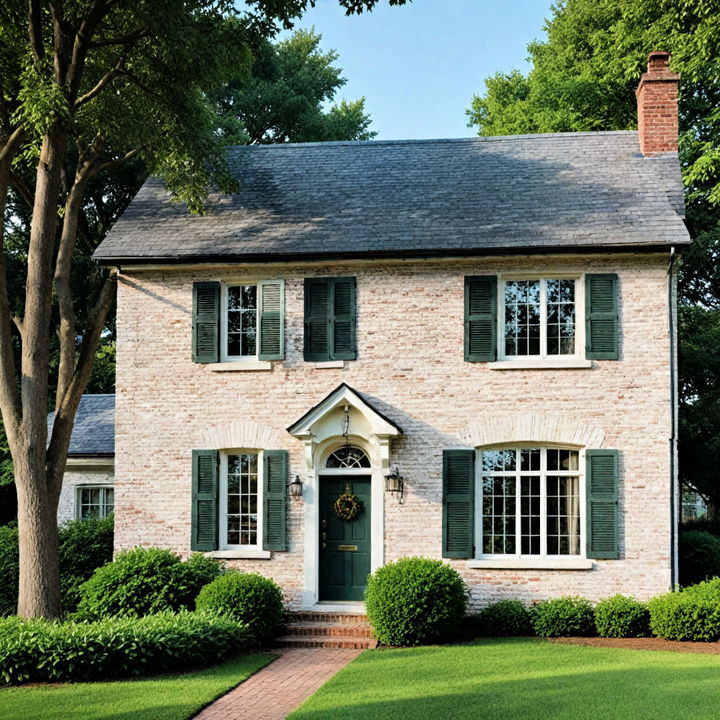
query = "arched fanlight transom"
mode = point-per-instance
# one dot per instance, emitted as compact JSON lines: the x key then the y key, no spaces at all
{"x":348,"y":457}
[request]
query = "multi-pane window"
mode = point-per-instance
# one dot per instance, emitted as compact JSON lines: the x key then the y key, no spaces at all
{"x":530,"y":502}
{"x":95,"y":502}
{"x":240,"y":322}
{"x":539,"y":317}
{"x":240,"y":499}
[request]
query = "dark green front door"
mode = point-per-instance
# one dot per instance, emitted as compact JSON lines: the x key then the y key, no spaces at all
{"x":344,"y":544}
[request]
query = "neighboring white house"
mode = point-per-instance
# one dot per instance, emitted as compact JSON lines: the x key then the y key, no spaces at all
{"x":493,"y":316}
{"x":88,"y":486}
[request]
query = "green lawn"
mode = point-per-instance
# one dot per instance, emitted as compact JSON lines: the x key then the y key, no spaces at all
{"x":524,"y":679}
{"x":167,"y":697}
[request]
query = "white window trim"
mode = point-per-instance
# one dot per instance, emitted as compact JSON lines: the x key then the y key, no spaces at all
{"x":542,"y":560}
{"x":223,"y":546}
{"x":91,"y":486}
{"x":529,"y":362}
{"x":224,"y":357}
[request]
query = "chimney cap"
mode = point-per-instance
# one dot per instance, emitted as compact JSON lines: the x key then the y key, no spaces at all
{"x":659,"y":61}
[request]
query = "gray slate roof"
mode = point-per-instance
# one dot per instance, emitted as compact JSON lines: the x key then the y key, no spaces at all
{"x":94,"y":430}
{"x":565,"y":191}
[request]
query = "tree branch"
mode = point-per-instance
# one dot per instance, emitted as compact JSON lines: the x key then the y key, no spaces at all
{"x":101,"y":84}
{"x":114,"y":163}
{"x":12,"y":144}
{"x":35,"y":30}
{"x":67,"y":406}
{"x":22,"y":189}
{"x":136,"y":81}
{"x":121,"y":39}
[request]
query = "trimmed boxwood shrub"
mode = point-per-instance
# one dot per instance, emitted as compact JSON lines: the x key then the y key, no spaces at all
{"x":249,"y":598}
{"x":505,"y":618}
{"x":415,"y":601}
{"x":9,"y":570}
{"x":699,"y":556}
{"x":621,"y":616}
{"x":691,"y":614}
{"x":85,"y":545}
{"x":144,"y":581}
{"x":564,"y":617}
{"x":42,"y":651}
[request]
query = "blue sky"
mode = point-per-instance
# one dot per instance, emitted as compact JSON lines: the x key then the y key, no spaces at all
{"x":419,"y":65}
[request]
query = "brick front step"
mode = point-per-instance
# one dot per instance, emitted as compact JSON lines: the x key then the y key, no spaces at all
{"x":328,"y":617}
{"x":328,"y":629}
{"x":323,"y":641}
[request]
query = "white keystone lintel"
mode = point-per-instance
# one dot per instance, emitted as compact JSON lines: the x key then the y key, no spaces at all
{"x":244,"y":434}
{"x":499,"y":429}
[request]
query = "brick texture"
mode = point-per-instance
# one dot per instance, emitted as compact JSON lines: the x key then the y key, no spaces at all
{"x":657,"y":100}
{"x":410,"y":365}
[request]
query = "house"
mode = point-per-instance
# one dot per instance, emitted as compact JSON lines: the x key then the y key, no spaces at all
{"x":88,"y":489}
{"x":485,"y":326}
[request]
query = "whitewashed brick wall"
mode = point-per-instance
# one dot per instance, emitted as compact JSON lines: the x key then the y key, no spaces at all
{"x":74,"y":477}
{"x":410,"y":366}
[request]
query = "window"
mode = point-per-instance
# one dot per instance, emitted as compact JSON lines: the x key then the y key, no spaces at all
{"x":539,"y":318}
{"x":348,"y":457}
{"x":541,"y":322}
{"x":97,"y":501}
{"x":530,"y":500}
{"x":239,"y":322}
{"x":240,"y":500}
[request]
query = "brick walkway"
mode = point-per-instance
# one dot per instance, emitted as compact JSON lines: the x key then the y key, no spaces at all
{"x":276,"y":690}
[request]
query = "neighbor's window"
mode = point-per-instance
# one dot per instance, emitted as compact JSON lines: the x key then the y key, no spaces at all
{"x":239,"y":322}
{"x":240,"y":501}
{"x":530,"y":502}
{"x":97,"y":501}
{"x":539,"y":317}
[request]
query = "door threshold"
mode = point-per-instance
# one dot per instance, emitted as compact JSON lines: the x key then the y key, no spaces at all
{"x":351,"y":607}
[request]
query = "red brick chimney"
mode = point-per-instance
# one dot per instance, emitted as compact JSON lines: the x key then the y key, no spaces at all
{"x":657,"y":102}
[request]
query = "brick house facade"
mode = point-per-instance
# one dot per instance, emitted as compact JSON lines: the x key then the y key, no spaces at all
{"x":494,"y":317}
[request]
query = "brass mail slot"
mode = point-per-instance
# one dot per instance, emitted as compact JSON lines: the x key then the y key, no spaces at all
{"x":347,"y":547}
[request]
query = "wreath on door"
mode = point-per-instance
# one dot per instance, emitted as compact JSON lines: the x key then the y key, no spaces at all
{"x":347,"y":506}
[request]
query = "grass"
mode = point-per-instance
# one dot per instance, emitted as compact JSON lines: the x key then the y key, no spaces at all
{"x":166,"y":697}
{"x":519,"y":679}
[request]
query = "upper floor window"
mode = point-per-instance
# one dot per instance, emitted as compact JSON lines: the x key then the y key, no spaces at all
{"x":330,"y":318}
{"x":539,"y":317}
{"x":565,"y":321}
{"x":239,"y":322}
{"x":97,"y":501}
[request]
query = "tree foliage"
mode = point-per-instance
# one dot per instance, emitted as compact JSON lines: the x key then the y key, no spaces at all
{"x":282,"y":98}
{"x":583,"y":77}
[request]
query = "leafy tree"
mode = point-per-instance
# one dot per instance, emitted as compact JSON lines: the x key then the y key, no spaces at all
{"x":87,"y":86}
{"x":282,"y":99}
{"x":583,"y":77}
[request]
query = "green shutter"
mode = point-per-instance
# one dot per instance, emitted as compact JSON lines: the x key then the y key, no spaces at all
{"x":206,"y":322}
{"x":458,"y":504}
{"x":342,"y":328}
{"x":601,"y":316}
{"x":204,"y":521}
{"x":601,"y":480}
{"x":274,"y":496}
{"x":317,"y":319}
{"x":272,"y":320}
{"x":480,"y":318}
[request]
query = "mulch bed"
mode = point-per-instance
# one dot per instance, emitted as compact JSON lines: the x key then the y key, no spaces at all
{"x":710,"y":648}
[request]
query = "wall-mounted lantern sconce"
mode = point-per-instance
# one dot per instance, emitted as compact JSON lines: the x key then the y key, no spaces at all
{"x":296,"y":488}
{"x":395,"y":483}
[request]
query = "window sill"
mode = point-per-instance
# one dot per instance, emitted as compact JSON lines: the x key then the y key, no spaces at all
{"x":240,"y":366}
{"x":530,"y":564}
{"x":329,"y":364}
{"x":569,"y":364}
{"x":240,"y":554}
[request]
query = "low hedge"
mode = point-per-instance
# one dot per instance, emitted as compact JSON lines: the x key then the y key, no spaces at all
{"x":506,"y":618}
{"x":415,"y":601}
{"x":42,"y":651}
{"x":249,"y":598}
{"x":564,"y":617}
{"x":145,"y":581}
{"x":621,"y":616}
{"x":691,"y":614}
